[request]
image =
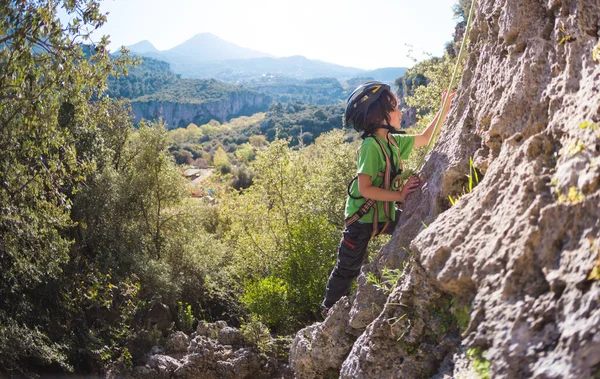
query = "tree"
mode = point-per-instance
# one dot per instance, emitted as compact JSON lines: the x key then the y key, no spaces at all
{"x":221,"y":160}
{"x":47,"y":79}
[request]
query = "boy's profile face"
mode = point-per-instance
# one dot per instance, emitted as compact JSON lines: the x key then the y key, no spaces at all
{"x":396,"y":118}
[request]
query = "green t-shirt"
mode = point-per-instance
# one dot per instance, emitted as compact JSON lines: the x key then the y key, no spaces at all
{"x":371,"y":161}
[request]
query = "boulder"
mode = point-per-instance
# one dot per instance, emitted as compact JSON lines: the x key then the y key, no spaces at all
{"x":159,"y":316}
{"x":177,"y":342}
{"x":230,"y":336}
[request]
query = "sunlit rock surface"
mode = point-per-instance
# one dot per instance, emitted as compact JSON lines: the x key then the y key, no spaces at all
{"x":513,"y":261}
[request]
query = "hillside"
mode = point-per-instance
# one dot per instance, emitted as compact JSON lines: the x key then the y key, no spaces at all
{"x":504,"y":284}
{"x":318,"y":91}
{"x":156,"y":92}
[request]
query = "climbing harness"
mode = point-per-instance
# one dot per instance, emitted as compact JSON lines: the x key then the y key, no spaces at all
{"x":391,"y":181}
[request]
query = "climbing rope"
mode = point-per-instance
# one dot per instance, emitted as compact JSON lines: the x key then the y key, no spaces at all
{"x":452,"y":82}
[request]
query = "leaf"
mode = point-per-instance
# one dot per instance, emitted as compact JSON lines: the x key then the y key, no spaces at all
{"x":595,"y":274}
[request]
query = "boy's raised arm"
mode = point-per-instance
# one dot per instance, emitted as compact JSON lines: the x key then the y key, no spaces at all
{"x":424,"y":138}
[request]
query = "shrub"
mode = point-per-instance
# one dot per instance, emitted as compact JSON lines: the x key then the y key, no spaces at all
{"x":255,"y":332}
{"x":267,"y":298}
{"x":21,"y":345}
{"x":185,"y":317}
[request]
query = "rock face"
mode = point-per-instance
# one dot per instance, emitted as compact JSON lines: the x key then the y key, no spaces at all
{"x":181,"y":114}
{"x":506,"y":282}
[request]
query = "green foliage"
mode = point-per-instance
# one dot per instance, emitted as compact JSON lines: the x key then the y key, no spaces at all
{"x":52,"y":140}
{"x":473,"y":180}
{"x":564,"y":35}
{"x":427,"y":98}
{"x":574,"y":196}
{"x":595,"y":272}
{"x":153,"y":80}
{"x":19,"y":342}
{"x":591,"y":126}
{"x":421,"y":87}
{"x":294,"y":120}
{"x":236,"y":138}
{"x":221,"y":160}
{"x":255,"y":332}
{"x":145,"y":78}
{"x":285,"y":227}
{"x":185,"y":317}
{"x":462,"y":315}
{"x":196,"y":91}
{"x":135,"y":216}
{"x":389,"y":277}
{"x":461,"y":10}
{"x":268,"y":299}
{"x":480,"y":363}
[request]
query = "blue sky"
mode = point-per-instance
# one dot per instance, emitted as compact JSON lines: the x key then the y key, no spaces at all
{"x":364,"y":34}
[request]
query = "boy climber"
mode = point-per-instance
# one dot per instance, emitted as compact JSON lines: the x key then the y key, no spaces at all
{"x":373,"y":111}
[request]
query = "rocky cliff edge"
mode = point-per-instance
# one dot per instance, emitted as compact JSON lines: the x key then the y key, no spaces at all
{"x":505,"y":283}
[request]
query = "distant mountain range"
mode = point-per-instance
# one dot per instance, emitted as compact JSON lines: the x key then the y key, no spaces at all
{"x":208,"y":56}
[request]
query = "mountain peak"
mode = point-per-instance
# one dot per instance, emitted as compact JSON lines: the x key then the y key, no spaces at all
{"x":141,"y":47}
{"x":207,"y":46}
{"x":206,"y":35}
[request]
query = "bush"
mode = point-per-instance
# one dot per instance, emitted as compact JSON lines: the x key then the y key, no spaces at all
{"x":267,"y":298}
{"x":22,"y":347}
{"x":255,"y":332}
{"x":243,"y":177}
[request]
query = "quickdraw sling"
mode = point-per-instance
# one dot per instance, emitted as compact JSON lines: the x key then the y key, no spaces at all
{"x":386,"y":184}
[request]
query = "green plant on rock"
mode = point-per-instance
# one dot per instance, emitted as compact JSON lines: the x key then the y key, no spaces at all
{"x":564,"y":36}
{"x":462,"y":315}
{"x":480,"y":363}
{"x":574,"y":196}
{"x":575,"y":147}
{"x":389,"y":277}
{"x":596,"y":52}
{"x":473,"y":181}
{"x":441,"y":316}
{"x":185,"y":317}
{"x":595,"y":273}
{"x":268,"y":299}
{"x":590,"y":125}
{"x":255,"y":332}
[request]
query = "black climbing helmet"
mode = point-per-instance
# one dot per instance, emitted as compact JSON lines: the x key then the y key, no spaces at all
{"x":360,"y":100}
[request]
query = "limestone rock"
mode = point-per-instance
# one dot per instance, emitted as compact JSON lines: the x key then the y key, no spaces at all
{"x":177,"y":343}
{"x":160,"y":366}
{"x":410,"y":337}
{"x":230,"y":336}
{"x":515,"y":255}
{"x":180,"y":114}
{"x":318,"y":350}
{"x":210,"y":330}
{"x":207,"y":357}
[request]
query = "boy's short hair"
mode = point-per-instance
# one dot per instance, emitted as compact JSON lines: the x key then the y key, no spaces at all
{"x":377,"y":114}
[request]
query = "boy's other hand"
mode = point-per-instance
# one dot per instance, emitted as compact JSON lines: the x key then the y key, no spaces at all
{"x":410,"y":186}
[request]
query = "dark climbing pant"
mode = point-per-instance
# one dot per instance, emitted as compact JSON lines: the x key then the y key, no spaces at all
{"x":351,"y":254}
